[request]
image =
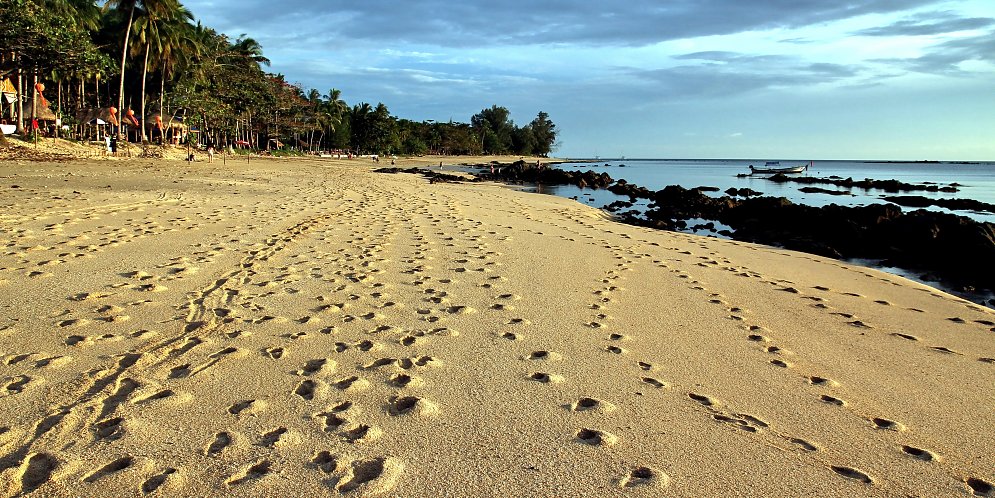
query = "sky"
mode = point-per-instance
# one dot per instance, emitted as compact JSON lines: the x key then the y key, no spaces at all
{"x":777,"y":79}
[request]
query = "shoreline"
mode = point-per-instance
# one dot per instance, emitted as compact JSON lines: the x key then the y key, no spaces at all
{"x":307,"y":326}
{"x":675,"y":204}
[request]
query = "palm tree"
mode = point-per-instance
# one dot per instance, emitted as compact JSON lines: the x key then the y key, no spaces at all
{"x":248,"y":49}
{"x":150,"y":35}
{"x":179,"y":49}
{"x":129,"y":6}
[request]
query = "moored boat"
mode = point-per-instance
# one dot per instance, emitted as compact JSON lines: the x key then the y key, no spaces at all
{"x":774,"y":167}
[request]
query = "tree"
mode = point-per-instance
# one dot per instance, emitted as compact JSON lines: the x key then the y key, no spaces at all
{"x":177,"y":49}
{"x":544,"y":132}
{"x":524,"y":141}
{"x":129,"y":6}
{"x":495,"y":129}
{"x":151,"y":31}
{"x":37,"y":40}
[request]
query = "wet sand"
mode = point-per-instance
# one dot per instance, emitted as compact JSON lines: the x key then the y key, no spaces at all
{"x":307,"y":327}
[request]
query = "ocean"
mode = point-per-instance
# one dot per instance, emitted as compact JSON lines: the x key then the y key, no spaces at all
{"x":976,"y":180}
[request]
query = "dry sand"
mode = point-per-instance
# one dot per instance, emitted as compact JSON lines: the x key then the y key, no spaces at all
{"x":307,"y":327}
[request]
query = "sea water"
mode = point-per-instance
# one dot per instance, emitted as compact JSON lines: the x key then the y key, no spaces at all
{"x":976,"y":180}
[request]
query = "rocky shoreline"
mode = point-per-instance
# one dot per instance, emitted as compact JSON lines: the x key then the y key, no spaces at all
{"x":938,"y":246}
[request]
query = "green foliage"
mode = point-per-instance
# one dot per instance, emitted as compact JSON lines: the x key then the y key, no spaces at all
{"x":219,"y":85}
{"x":43,"y":41}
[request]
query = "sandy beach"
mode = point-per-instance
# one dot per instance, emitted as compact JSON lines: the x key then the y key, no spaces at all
{"x":306,"y":327}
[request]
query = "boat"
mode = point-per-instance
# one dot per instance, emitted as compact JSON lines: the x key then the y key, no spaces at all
{"x":774,"y":167}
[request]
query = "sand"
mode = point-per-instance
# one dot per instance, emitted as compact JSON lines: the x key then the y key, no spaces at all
{"x":308,"y":327}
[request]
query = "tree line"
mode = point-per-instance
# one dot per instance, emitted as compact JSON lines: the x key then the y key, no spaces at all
{"x":149,"y":58}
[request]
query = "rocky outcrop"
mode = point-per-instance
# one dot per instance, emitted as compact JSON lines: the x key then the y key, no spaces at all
{"x":433,"y":176}
{"x":953,"y":247}
{"x":953,"y":204}
{"x":891,"y":186}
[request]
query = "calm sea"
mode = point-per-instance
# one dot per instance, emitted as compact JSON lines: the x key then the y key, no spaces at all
{"x":976,"y":181}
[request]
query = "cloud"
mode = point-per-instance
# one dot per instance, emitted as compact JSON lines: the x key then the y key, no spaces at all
{"x":947,"y":57}
{"x":725,"y":74}
{"x":510,"y":22}
{"x":931,"y":23}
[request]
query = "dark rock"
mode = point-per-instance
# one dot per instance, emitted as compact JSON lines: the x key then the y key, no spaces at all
{"x":891,"y":186}
{"x":742,"y":192}
{"x":952,"y":204}
{"x":817,"y":190}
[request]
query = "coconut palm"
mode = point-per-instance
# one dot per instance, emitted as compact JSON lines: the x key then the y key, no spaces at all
{"x":150,"y":36}
{"x":249,"y":49}
{"x":178,"y":49}
{"x":128,"y":6}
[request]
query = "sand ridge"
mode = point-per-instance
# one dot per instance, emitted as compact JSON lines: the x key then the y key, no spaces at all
{"x":307,"y":327}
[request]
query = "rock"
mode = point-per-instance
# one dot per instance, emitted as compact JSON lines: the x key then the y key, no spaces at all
{"x":817,"y":190}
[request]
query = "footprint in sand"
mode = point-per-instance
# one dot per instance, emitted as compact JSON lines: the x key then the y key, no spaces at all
{"x":919,"y":453}
{"x":414,"y":405}
{"x":36,"y":470}
{"x":155,"y":482}
{"x":644,"y":477}
{"x":543,"y":355}
{"x":805,"y":445}
{"x":980,"y":487}
{"x":251,"y":473}
{"x":111,"y":468}
{"x":546,"y":378}
{"x":371,"y":476}
{"x":704,"y":400}
{"x":402,"y":380}
{"x":306,"y":389}
{"x":351,"y":383}
{"x":359,"y":433}
{"x":654,"y":382}
{"x":110,"y":429}
{"x":315,"y":366}
{"x":17,"y":384}
{"x":831,"y":400}
{"x":595,"y":437}
{"x":591,"y":405}
{"x":815,"y":380}
{"x":852,"y":473}
{"x":221,"y":441}
{"x":326,"y":462}
{"x":273,"y":437}
{"x":885,"y":424}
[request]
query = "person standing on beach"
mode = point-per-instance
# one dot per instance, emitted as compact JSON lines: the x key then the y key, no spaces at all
{"x":210,"y":153}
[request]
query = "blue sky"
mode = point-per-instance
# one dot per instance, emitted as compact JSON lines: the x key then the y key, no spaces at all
{"x":799,"y":79}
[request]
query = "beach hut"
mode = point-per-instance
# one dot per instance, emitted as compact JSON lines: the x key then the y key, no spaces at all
{"x":8,"y":99}
{"x":171,"y":128}
{"x":43,"y":113}
{"x":95,"y":122}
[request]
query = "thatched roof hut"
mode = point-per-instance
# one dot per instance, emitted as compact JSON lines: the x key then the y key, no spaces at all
{"x":96,"y":116}
{"x":42,"y":112}
{"x":174,"y":122}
